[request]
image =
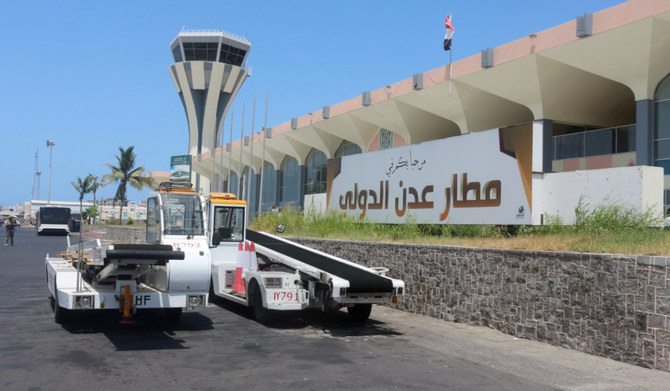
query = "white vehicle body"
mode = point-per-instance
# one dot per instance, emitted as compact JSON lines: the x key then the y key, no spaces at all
{"x":55,"y":220}
{"x":287,"y":275}
{"x":170,"y":272}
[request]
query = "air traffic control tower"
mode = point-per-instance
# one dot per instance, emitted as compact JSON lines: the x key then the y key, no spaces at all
{"x":209,"y":69}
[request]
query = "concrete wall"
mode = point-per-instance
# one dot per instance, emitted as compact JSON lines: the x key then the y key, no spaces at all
{"x":616,"y":306}
{"x":639,"y":188}
{"x":315,"y":204}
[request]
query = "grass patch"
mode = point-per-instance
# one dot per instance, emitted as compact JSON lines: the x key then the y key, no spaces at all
{"x":610,"y":229}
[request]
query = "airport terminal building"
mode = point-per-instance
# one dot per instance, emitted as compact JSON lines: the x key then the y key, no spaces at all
{"x":498,"y":137}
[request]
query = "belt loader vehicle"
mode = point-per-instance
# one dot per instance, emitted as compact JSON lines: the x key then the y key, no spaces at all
{"x":169,"y":273}
{"x":286,"y":276}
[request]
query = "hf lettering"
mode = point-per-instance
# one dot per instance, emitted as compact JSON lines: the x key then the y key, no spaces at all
{"x":142,"y":300}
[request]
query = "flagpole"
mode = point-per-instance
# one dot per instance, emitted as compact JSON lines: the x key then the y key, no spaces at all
{"x":265,"y":133}
{"x":212,"y":154}
{"x":447,"y":45}
{"x":239,"y":172}
{"x":251,"y":158}
{"x":221,"y":170}
{"x":450,"y":74}
{"x":230,"y":150}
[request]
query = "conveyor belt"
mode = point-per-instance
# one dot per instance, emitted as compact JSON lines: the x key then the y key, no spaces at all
{"x":142,"y":253}
{"x":360,"y":280}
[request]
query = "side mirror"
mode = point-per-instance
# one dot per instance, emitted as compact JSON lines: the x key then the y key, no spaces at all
{"x":280,"y":229}
{"x":216,"y":238}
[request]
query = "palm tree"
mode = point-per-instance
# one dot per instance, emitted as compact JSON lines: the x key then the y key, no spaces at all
{"x":90,"y":213}
{"x":95,"y":185}
{"x":126,"y":173}
{"x":82,"y":187}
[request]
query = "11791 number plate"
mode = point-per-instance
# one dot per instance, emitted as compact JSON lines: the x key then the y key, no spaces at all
{"x":285,"y":296}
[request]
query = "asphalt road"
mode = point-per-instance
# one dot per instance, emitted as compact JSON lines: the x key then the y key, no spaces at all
{"x":222,"y":348}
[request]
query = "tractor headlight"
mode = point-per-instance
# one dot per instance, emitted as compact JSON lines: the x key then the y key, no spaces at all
{"x":84,"y":302}
{"x":272,"y":282}
{"x":193,"y":301}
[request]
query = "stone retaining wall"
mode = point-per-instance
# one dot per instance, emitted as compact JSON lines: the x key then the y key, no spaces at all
{"x":617,"y":306}
{"x":115,"y":233}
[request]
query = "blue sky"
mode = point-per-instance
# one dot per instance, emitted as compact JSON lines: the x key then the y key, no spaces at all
{"x":93,"y":75}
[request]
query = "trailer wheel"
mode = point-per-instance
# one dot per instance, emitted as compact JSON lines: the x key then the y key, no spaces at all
{"x":360,"y":312}
{"x":261,"y":314}
{"x":61,"y":315}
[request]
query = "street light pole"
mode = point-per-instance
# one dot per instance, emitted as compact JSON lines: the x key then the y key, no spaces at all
{"x":50,"y":144}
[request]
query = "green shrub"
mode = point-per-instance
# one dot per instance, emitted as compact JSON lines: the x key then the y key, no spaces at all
{"x":612,"y":218}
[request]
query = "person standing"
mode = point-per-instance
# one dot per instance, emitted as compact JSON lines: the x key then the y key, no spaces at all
{"x":10,"y":226}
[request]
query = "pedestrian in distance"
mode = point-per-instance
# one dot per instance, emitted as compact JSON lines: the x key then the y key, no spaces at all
{"x":10,"y":226}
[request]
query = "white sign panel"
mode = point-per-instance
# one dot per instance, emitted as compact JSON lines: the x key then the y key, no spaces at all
{"x":478,"y":178}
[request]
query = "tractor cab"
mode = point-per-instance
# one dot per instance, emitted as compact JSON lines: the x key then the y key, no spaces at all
{"x":226,"y":215}
{"x":226,"y":218}
{"x":175,"y":216}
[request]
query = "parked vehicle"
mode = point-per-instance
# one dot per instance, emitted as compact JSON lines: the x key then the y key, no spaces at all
{"x":53,"y":220}
{"x":170,"y":273}
{"x":268,"y":273}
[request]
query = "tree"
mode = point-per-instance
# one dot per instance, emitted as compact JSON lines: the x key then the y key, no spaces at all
{"x":126,"y":173}
{"x":82,"y":187}
{"x":95,"y":185}
{"x":90,"y":213}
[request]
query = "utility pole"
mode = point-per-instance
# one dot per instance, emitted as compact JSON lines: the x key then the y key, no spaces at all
{"x":36,"y":177}
{"x":50,"y":144}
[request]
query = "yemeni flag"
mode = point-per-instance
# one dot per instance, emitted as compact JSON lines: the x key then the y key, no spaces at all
{"x":450,"y":32}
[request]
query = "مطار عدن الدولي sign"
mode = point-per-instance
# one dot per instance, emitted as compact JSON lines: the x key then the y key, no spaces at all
{"x":478,"y":178}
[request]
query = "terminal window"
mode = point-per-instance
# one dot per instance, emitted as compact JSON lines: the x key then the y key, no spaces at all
{"x":347,"y":148}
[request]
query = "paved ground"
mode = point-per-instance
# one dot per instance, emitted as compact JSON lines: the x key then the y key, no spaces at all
{"x":220,"y":347}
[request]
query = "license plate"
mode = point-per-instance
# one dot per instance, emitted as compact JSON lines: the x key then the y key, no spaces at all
{"x":285,"y":296}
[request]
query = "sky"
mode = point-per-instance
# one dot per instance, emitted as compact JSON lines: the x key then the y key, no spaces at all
{"x":92,"y":76}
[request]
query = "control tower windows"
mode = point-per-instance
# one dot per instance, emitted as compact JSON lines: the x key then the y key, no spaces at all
{"x":200,"y":51}
{"x":176,"y":53}
{"x":207,"y":51}
{"x":232,"y":55}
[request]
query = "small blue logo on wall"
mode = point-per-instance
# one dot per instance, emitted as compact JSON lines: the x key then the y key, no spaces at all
{"x":521,"y":212}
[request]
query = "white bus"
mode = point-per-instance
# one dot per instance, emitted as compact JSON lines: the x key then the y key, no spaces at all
{"x":53,"y":220}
